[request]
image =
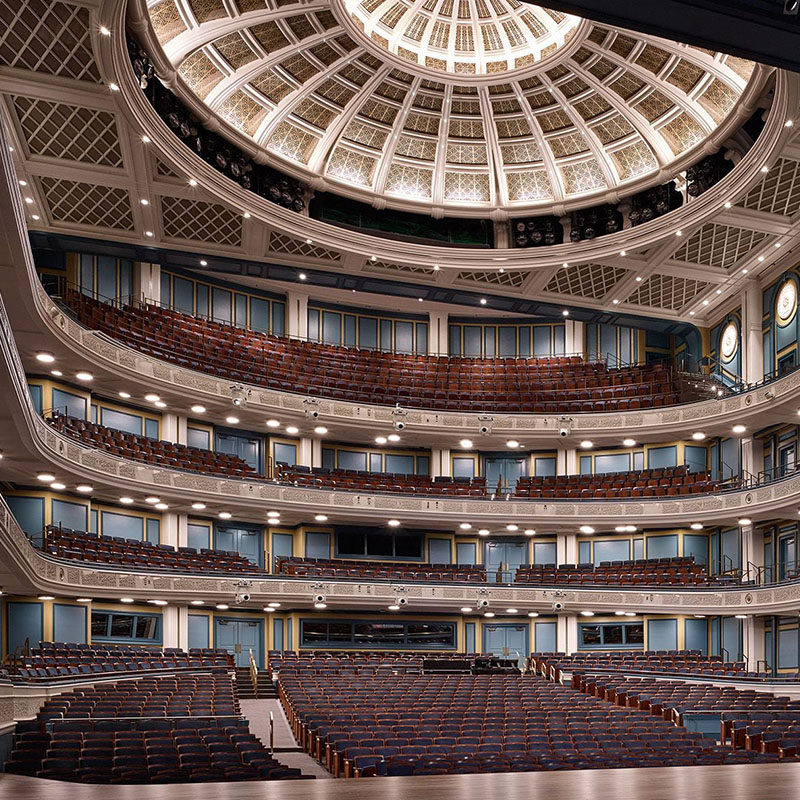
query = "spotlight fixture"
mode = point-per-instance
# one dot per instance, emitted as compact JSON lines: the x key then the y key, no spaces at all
{"x":198,"y":506}
{"x":466,"y":610}
{"x":126,"y":501}
{"x":393,"y":523}
{"x":320,"y":518}
{"x":45,"y":358}
{"x":533,"y":613}
{"x":465,"y":526}
{"x":197,"y":409}
{"x":745,"y":521}
{"x":483,"y":532}
{"x":530,"y":532}
{"x":696,"y":526}
{"x":83,"y":375}
{"x":698,"y":436}
{"x":586,"y":529}
{"x":152,"y":500}
{"x":46,"y":477}
{"x":629,"y":442}
{"x":739,"y":428}
{"x":224,"y":515}
{"x":320,"y":430}
{"x":467,"y":443}
{"x":380,"y":440}
{"x":587,"y":613}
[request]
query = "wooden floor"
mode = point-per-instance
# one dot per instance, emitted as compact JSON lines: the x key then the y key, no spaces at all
{"x":734,"y":782}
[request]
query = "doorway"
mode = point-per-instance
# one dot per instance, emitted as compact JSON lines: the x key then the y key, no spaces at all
{"x":502,"y":472}
{"x":506,"y":641}
{"x":502,"y":559}
{"x":239,"y":637}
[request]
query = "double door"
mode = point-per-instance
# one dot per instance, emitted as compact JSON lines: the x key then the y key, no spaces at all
{"x":506,"y":641}
{"x":239,"y":637}
{"x":502,"y":559}
{"x":502,"y":472}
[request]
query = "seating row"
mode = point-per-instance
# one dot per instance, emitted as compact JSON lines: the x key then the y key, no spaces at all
{"x":534,"y":385}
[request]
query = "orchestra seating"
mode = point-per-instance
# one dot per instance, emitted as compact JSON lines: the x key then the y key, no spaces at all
{"x":71,"y":660}
{"x":154,"y":730}
{"x":116,"y":551}
{"x":377,"y":722}
{"x":666,"y":482}
{"x":351,"y":480}
{"x":153,"y":451}
{"x":339,"y":568}
{"x":680,"y":571}
{"x":671,"y":662}
{"x":555,"y":385}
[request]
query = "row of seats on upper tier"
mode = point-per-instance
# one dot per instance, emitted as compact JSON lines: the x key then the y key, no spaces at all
{"x":70,"y":660}
{"x":670,"y":481}
{"x":152,"y":451}
{"x":558,"y":385}
{"x":685,"y":662}
{"x":340,"y":568}
{"x":399,"y":724}
{"x":132,"y":554}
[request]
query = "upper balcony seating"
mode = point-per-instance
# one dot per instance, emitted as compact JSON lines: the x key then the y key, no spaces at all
{"x":153,"y":451}
{"x":666,"y":482}
{"x":683,"y":662}
{"x":562,"y":384}
{"x":366,"y":661}
{"x":153,"y":730}
{"x":680,"y":571}
{"x":351,"y":480}
{"x":71,"y":660}
{"x":382,"y":723}
{"x":116,"y":551}
{"x":340,"y":568}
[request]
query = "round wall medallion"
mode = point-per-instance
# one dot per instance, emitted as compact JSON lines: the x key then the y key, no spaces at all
{"x":786,"y":303}
{"x":729,"y":341}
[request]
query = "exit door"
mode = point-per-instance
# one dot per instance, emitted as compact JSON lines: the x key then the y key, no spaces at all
{"x":506,"y":641}
{"x":502,"y":472}
{"x":502,"y":559}
{"x":239,"y":637}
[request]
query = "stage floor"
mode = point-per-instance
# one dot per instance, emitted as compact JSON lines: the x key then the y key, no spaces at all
{"x":732,"y":782}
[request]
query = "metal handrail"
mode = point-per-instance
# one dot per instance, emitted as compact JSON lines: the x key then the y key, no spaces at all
{"x":254,"y":673}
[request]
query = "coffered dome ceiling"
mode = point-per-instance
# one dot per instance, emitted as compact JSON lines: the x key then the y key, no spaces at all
{"x":457,"y":104}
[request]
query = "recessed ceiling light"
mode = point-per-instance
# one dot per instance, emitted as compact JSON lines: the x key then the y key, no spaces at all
{"x":160,"y":404}
{"x":46,"y":597}
{"x":465,"y":526}
{"x":615,"y":302}
{"x":530,"y":532}
{"x":565,"y":313}
{"x":273,"y":423}
{"x":35,"y":216}
{"x":224,"y":515}
{"x":321,"y":430}
{"x":587,"y":444}
{"x":321,"y":518}
{"x":23,"y":183}
{"x":533,"y":613}
{"x":393,"y":437}
{"x":113,"y":86}
{"x":232,"y":420}
{"x":630,"y":613}
{"x":222,"y":606}
{"x":789,"y":123}
{"x":696,"y":526}
{"x":273,"y":514}
{"x":777,"y":244}
{"x":393,"y":523}
{"x":765,"y":168}
{"x":467,"y":443}
{"x":466,"y":610}
{"x":105,"y":31}
{"x":302,"y":276}
{"x":56,"y":373}
{"x":29,"y":200}
{"x":705,"y":302}
{"x":152,"y":500}
{"x":744,"y":521}
{"x":629,"y":442}
{"x":198,"y":506}
{"x":274,"y":605}
{"x":192,"y":182}
{"x":586,"y":529}
{"x":124,"y":395}
{"x":197,"y":602}
{"x":728,"y":204}
{"x":83,"y":375}
{"x":760,"y":258}
{"x":320,"y":606}
{"x":512,"y":527}
{"x":488,"y":614}
{"x":246,"y":215}
{"x":587,"y":613}
{"x":146,"y":140}
{"x":161,"y":506}
{"x":46,"y":477}
{"x":435,"y":267}
{"x":157,"y":602}
{"x":380,"y":440}
{"x":126,"y":600}
{"x":565,"y":265}
{"x":698,"y":436}
{"x":619,"y":613}
{"x":622,"y":253}
{"x":83,"y":599}
{"x":151,"y":398}
{"x":309,"y":241}
{"x":148,"y":233}
{"x":739,"y":428}
{"x":198,"y":409}
{"x":45,"y":358}
{"x":292,"y":429}
{"x":512,"y":443}
{"x":483,"y":301}
{"x":373,"y":258}
{"x":126,"y":501}
{"x":639,"y":279}
{"x":144,"y":201}
{"x":58,"y":486}
{"x":393,"y":607}
{"x":483,"y":532}
{"x":511,"y":611}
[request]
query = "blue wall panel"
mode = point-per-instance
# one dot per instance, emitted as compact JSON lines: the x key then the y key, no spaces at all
{"x":69,"y":623}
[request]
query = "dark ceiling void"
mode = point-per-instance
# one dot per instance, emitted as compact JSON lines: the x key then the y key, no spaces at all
{"x":760,"y":30}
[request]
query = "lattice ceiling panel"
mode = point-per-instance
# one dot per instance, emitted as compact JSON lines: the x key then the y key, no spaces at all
{"x":411,"y":269}
{"x":200,"y":221}
{"x":507,"y":278}
{"x":47,"y":36}
{"x":165,"y":170}
{"x":88,"y":204}
{"x":779,"y":192}
{"x":280,"y":243}
{"x":666,"y":291}
{"x":586,"y":280}
{"x":69,"y":132}
{"x":717,"y":245}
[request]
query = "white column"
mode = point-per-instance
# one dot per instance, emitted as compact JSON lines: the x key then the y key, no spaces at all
{"x":567,"y":548}
{"x":567,"y":633}
{"x":183,"y":530}
{"x":570,"y":462}
{"x":147,"y":281}
{"x":752,"y":343}
{"x":169,"y":427}
{"x":170,"y":626}
{"x":169,"y":528}
{"x":753,"y":642}
{"x":573,"y":337}
{"x":182,"y":432}
{"x":438,"y":337}
{"x":316,"y":452}
{"x":297,"y":315}
{"x":752,"y":547}
{"x":440,"y":463}
{"x":561,"y":461}
{"x":304,"y":452}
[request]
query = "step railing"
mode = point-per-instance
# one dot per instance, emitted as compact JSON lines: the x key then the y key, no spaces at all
{"x":254,"y":674}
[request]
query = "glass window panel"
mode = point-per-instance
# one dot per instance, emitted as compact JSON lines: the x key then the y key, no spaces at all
{"x":559,"y":340}
{"x":99,"y":624}
{"x":198,"y":536}
{"x":151,"y":428}
{"x":197,"y":437}
{"x":285,"y":453}
{"x":400,"y":464}
{"x":616,"y":462}
{"x":368,"y":332}
{"x":70,"y":404}
{"x":489,"y":337}
{"x":70,"y":515}
{"x":146,"y":627}
{"x":586,"y":465}
{"x":240,"y":310}
{"x":348,"y":459}
{"x":544,"y":467}
{"x":328,"y":458}
{"x":376,"y":462}
{"x":525,"y":341}
{"x":638,"y":460}
{"x":183,"y":295}
{"x":463,"y":467}
{"x":380,"y":544}
{"x":404,"y":337}
{"x":124,"y":525}
{"x":153,"y":529}
{"x":507,"y":341}
{"x":350,"y":543}
{"x":386,"y":335}
{"x":541,"y":340}
{"x":278,"y":318}
{"x":125,"y":279}
{"x":658,"y":457}
{"x":612,"y":634}
{"x":259,"y":315}
{"x":472,"y":341}
{"x":221,"y":305}
{"x":313,"y":325}
{"x":121,"y":626}
{"x":454,"y":340}
{"x":408,"y":545}
{"x":591,"y":634}
{"x":340,"y":631}
{"x":421,"y":333}
{"x":107,"y":277}
{"x":202,"y":300}
{"x":634,"y":634}
{"x":331,"y":327}
{"x":87,"y":274}
{"x":36,"y":398}
{"x":314,"y":632}
{"x":350,"y":336}
{"x":423,"y":465}
{"x":121,"y":421}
